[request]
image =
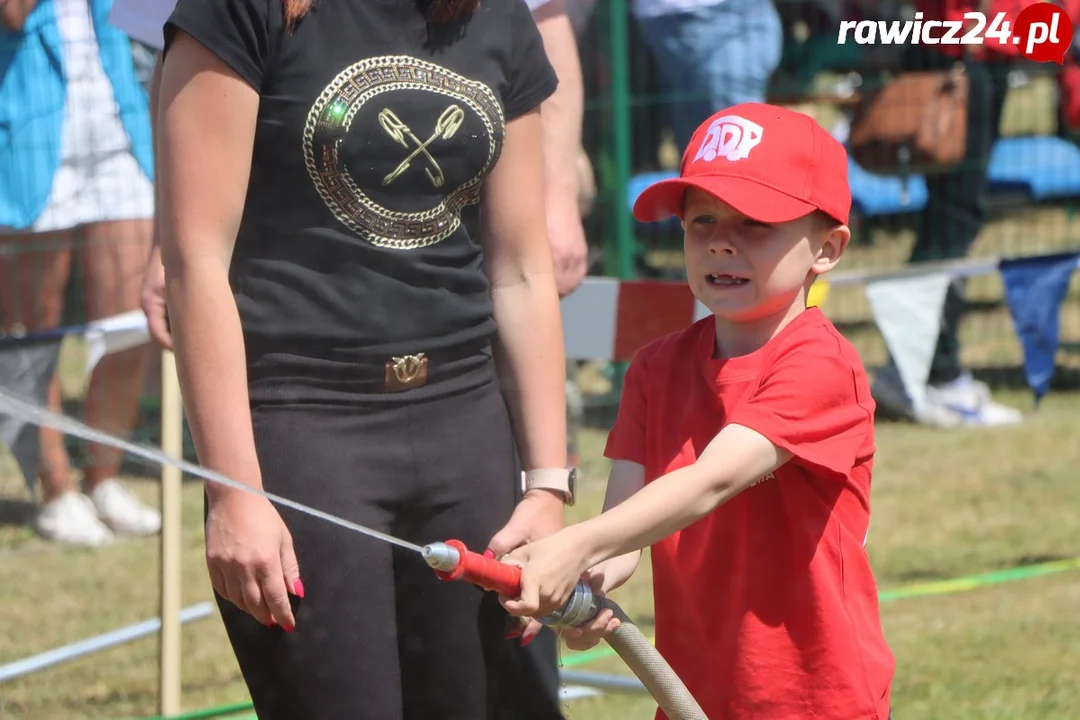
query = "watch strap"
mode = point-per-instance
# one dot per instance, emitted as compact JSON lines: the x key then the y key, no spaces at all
{"x":557,"y":479}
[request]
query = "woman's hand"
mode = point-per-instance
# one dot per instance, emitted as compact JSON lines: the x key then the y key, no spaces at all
{"x":152,"y":300}
{"x":538,"y":515}
{"x":249,"y":553}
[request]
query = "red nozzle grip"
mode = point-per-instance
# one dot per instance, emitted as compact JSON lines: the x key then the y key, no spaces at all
{"x":487,"y":573}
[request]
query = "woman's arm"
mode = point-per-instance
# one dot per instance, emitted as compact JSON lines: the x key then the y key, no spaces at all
{"x":206,"y":127}
{"x":529,"y":346}
{"x":529,"y":350}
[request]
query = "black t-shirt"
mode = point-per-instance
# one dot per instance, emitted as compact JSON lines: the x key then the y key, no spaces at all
{"x":373,"y":139}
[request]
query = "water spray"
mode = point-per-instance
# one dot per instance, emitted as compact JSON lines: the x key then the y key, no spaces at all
{"x":451,"y":560}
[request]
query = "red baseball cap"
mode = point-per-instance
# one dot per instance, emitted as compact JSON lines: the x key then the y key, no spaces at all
{"x":767,"y":162}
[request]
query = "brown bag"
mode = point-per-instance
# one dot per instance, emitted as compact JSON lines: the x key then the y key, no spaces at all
{"x":914,"y":124}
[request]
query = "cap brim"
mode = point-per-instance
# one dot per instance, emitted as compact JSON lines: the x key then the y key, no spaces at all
{"x":665,"y":198}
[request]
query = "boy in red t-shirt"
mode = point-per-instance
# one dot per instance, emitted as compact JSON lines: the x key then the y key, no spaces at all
{"x":743,"y":448}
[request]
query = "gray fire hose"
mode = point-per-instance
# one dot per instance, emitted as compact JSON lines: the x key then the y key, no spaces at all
{"x":645,"y":661}
{"x":452,"y":561}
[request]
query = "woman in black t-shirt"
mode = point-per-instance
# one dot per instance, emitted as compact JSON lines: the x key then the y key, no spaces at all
{"x":365,"y":319}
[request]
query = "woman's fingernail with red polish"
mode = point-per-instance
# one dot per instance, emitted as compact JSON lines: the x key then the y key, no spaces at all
{"x":515,"y":632}
{"x":489,"y":554}
{"x":287,"y":628}
{"x":528,"y":640}
{"x":299,"y":588}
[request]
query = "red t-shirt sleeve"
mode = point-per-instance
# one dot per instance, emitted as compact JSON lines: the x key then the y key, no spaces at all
{"x":626,"y":441}
{"x":808,"y":403}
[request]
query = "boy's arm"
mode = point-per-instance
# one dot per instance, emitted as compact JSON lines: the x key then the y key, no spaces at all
{"x":731,"y":462}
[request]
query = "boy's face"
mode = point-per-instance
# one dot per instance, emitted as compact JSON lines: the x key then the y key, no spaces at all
{"x":744,"y":270}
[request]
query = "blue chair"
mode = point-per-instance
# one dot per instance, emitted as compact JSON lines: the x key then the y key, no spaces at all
{"x":884,"y":195}
{"x":1041,"y":167}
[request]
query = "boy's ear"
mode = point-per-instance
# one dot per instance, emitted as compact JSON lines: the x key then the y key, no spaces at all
{"x":833,"y":244}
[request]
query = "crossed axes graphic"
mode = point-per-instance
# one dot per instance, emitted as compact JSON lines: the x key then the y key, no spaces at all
{"x":450,"y":121}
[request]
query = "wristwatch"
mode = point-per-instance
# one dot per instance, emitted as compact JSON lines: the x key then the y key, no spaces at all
{"x":563,"y":480}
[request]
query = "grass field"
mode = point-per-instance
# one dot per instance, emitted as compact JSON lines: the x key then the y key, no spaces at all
{"x":945,"y":505}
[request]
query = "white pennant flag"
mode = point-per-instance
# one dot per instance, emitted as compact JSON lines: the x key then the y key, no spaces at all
{"x":907,"y":311}
{"x":114,"y":334}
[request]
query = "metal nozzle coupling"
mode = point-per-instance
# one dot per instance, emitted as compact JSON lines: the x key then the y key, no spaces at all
{"x":582,"y":607}
{"x":440,"y":556}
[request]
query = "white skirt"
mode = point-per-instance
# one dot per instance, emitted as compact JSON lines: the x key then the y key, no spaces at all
{"x":98,"y":179}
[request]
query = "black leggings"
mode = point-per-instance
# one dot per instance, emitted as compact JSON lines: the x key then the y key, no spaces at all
{"x":378,"y":636}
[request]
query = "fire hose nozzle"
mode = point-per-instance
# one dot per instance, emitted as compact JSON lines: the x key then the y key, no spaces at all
{"x":440,"y":556}
{"x":451,"y":560}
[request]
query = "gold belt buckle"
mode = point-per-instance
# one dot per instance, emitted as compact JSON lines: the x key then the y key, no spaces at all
{"x":406,"y":372}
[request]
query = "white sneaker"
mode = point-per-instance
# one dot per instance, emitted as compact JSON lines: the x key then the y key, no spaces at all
{"x":72,"y":518}
{"x":971,"y":400}
{"x":122,"y":511}
{"x":964,"y":401}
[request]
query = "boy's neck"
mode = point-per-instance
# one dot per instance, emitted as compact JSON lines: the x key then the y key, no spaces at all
{"x":735,"y":339}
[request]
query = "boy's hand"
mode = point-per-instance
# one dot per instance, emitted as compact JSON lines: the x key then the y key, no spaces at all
{"x":589,"y":634}
{"x":551,"y":567}
{"x":603,"y":578}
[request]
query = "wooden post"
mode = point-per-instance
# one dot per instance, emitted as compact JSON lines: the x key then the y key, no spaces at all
{"x":172,"y":439}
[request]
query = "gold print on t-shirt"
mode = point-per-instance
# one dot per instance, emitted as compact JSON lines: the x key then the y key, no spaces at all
{"x":446,"y":127}
{"x":329,"y":122}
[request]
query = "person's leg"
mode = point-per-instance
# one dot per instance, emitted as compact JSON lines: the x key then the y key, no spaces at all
{"x":683,"y":77}
{"x":956,"y":206}
{"x":457,"y":663}
{"x":538,"y":691}
{"x":342,"y":659}
{"x":34,"y":273}
{"x":113,"y":257}
{"x":955,"y":213}
{"x":714,"y":56}
{"x":32,"y":287}
{"x":949,"y":225}
{"x":740,"y":43}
